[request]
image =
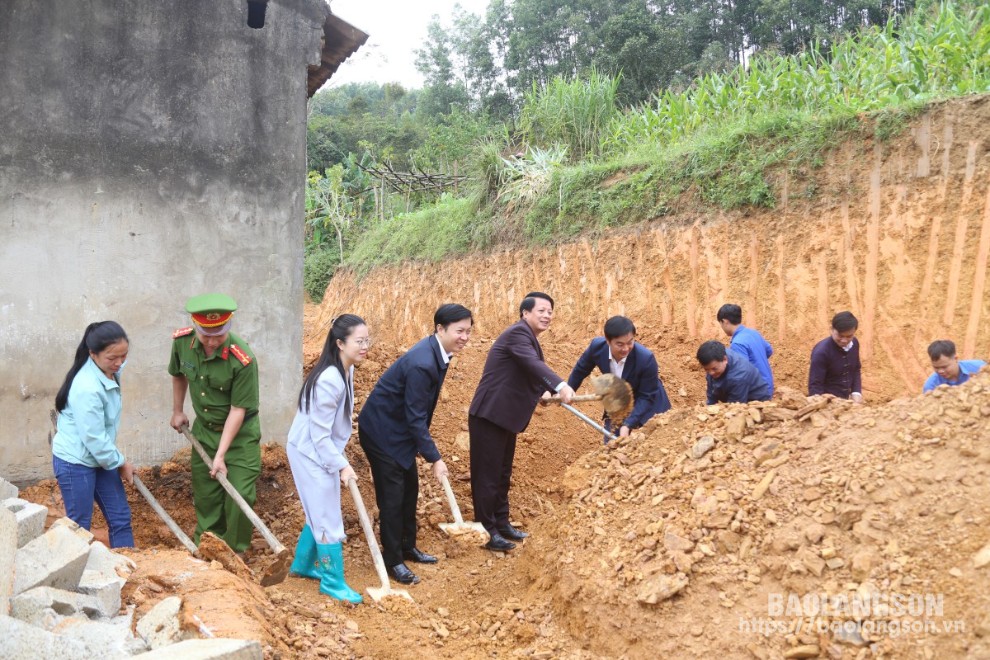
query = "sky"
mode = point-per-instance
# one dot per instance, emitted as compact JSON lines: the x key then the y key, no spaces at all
{"x":395,"y":29}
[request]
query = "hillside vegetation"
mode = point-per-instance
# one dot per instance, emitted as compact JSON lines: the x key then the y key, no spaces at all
{"x":575,"y":161}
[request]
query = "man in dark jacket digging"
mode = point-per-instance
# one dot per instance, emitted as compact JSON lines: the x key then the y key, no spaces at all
{"x":394,"y":426}
{"x":619,"y":353}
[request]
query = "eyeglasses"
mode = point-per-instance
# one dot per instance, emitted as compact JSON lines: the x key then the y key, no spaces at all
{"x":364,"y":343}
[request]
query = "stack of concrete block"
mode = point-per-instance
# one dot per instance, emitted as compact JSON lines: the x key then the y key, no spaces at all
{"x":60,"y":597}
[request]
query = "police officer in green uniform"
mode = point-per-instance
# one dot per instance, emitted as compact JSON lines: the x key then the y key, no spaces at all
{"x":220,"y":373}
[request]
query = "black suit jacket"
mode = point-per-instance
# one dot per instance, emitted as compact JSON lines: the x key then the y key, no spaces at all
{"x":514,"y":378}
{"x":640,"y":371}
{"x":397,"y":415}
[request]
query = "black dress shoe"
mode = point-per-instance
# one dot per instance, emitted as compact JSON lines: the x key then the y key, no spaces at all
{"x":401,"y":574}
{"x":512,"y":533}
{"x":419,"y":556}
{"x":498,"y":542}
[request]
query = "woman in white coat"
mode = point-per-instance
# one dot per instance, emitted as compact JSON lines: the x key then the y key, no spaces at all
{"x":319,"y":433}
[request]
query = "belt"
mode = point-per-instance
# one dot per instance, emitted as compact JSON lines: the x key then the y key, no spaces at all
{"x":219,"y":427}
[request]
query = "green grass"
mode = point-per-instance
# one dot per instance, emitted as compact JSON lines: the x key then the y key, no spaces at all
{"x":449,"y":227}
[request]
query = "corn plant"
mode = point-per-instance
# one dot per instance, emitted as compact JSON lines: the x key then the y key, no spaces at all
{"x":575,"y":113}
{"x":946,"y":52}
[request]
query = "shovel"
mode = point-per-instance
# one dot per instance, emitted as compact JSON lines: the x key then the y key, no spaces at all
{"x":163,"y":514}
{"x":459,"y":527}
{"x":376,"y":593}
{"x":614,"y":393}
{"x":278,"y":569}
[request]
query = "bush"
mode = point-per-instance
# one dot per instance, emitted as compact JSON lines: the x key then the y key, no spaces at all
{"x":318,"y":267}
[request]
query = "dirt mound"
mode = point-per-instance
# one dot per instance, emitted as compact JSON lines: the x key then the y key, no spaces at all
{"x":722,"y":527}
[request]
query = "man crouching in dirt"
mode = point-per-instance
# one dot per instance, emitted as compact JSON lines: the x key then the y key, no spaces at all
{"x":514,"y":378}
{"x":222,"y":374}
{"x":394,"y":426}
{"x":731,"y":378}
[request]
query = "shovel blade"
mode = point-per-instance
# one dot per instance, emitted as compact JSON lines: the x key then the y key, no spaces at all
{"x":377,"y":593}
{"x":460,"y":529}
{"x":278,"y":570}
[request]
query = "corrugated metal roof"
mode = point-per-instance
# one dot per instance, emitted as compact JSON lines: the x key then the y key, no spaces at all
{"x":340,"y":41}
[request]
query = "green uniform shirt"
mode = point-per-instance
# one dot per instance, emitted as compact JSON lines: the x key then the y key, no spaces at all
{"x":217,"y":382}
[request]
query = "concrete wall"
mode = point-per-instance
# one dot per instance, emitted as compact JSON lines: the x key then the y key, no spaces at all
{"x":149,"y":151}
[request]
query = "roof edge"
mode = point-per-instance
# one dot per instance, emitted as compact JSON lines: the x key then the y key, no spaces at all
{"x":340,"y":41}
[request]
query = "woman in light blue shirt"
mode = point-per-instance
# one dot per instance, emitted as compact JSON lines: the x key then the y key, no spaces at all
{"x":320,"y":431}
{"x":87,"y":463}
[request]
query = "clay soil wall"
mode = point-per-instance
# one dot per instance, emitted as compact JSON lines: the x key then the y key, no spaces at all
{"x":897,"y":232}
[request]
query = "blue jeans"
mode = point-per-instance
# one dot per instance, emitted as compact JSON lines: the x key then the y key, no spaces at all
{"x":81,"y":485}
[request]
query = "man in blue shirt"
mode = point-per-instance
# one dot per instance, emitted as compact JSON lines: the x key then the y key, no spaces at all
{"x":731,"y":378}
{"x":949,"y":370}
{"x":746,"y":341}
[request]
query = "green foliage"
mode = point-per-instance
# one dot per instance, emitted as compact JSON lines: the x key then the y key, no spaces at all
{"x":451,"y":140}
{"x":924,"y":57}
{"x":572,"y":113}
{"x":319,"y":266}
{"x":526,"y":178}
{"x":448,"y":227}
{"x":363,"y":117}
{"x":494,"y":59}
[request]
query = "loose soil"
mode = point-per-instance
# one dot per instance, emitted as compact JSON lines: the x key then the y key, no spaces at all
{"x":677,"y":541}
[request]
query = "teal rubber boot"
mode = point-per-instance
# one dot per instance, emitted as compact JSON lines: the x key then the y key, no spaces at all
{"x":332,"y":568}
{"x":305,"y":563}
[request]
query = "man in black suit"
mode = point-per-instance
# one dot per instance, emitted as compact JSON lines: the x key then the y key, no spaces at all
{"x":514,"y":379}
{"x":394,"y":426}
{"x":618,"y":353}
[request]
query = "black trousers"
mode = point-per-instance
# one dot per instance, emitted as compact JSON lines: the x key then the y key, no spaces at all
{"x":396,"y":492}
{"x":492,"y":451}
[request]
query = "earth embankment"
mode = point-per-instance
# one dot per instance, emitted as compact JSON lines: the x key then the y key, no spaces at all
{"x":896,"y":231}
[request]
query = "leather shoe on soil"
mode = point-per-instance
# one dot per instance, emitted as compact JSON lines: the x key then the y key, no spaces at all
{"x":498,"y":542}
{"x":512,"y":533}
{"x":419,"y":556}
{"x":401,"y":574}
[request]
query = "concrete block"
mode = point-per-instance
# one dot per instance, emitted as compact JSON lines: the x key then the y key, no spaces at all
{"x":7,"y":489}
{"x":32,"y":605}
{"x":8,"y":550}
{"x":30,"y":519}
{"x":22,"y":641}
{"x":108,"y":563}
{"x":106,"y":640}
{"x":73,"y":527}
{"x":208,"y":649}
{"x":162,"y":626}
{"x":57,"y":559}
{"x":105,"y":590}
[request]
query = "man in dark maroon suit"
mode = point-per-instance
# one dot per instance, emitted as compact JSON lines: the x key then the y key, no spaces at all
{"x":514,"y":379}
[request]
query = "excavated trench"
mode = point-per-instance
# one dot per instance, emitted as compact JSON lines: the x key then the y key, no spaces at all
{"x":645,"y":549}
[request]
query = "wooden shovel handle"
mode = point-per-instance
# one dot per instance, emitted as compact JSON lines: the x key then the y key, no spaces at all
{"x":244,"y":506}
{"x":578,"y":398}
{"x":167,"y":519}
{"x":452,"y":501}
{"x":369,"y":533}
